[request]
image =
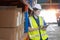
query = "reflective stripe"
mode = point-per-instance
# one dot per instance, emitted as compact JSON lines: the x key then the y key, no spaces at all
{"x":36,"y":35}
{"x":33,"y":36}
{"x":30,"y":22}
{"x":41,"y":22}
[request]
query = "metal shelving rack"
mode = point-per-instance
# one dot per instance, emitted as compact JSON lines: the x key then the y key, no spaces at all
{"x":51,"y":4}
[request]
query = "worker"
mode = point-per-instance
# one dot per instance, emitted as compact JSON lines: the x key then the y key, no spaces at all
{"x":37,"y":26}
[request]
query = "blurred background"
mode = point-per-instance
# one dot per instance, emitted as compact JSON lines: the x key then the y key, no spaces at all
{"x":14,"y":18}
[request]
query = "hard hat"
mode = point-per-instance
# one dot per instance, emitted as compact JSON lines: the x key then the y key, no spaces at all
{"x":38,"y":6}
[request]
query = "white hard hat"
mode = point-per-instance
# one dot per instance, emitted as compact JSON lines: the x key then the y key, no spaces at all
{"x":38,"y":6}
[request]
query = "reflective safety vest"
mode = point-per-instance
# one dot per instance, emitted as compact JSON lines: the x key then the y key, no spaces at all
{"x":35,"y":35}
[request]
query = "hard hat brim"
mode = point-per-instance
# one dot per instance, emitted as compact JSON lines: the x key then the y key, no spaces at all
{"x":36,"y":9}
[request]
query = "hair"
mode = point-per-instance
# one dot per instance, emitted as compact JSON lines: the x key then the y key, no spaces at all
{"x":35,"y":9}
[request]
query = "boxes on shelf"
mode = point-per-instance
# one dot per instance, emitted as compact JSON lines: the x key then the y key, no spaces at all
{"x":10,"y":17}
{"x":11,"y":34}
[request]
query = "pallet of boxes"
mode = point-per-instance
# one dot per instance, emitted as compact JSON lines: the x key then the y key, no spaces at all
{"x":11,"y":23}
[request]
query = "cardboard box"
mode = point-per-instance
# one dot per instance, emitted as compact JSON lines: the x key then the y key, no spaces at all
{"x":11,"y":23}
{"x":10,"y":17}
{"x":11,"y":34}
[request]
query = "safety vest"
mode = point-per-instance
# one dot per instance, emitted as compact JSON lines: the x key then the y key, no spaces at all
{"x":35,"y":35}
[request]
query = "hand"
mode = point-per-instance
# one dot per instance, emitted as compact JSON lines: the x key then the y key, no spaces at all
{"x":25,"y":36}
{"x":43,"y":28}
{"x":32,"y":29}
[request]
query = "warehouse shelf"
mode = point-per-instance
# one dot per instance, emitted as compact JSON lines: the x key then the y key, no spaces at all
{"x":50,"y":3}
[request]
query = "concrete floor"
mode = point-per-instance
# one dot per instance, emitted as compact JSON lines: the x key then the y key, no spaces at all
{"x":53,"y":32}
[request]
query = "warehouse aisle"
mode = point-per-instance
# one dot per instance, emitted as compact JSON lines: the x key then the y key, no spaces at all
{"x":54,"y":32}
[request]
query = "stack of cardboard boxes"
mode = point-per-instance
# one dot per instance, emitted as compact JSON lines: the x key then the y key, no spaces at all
{"x":11,"y":23}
